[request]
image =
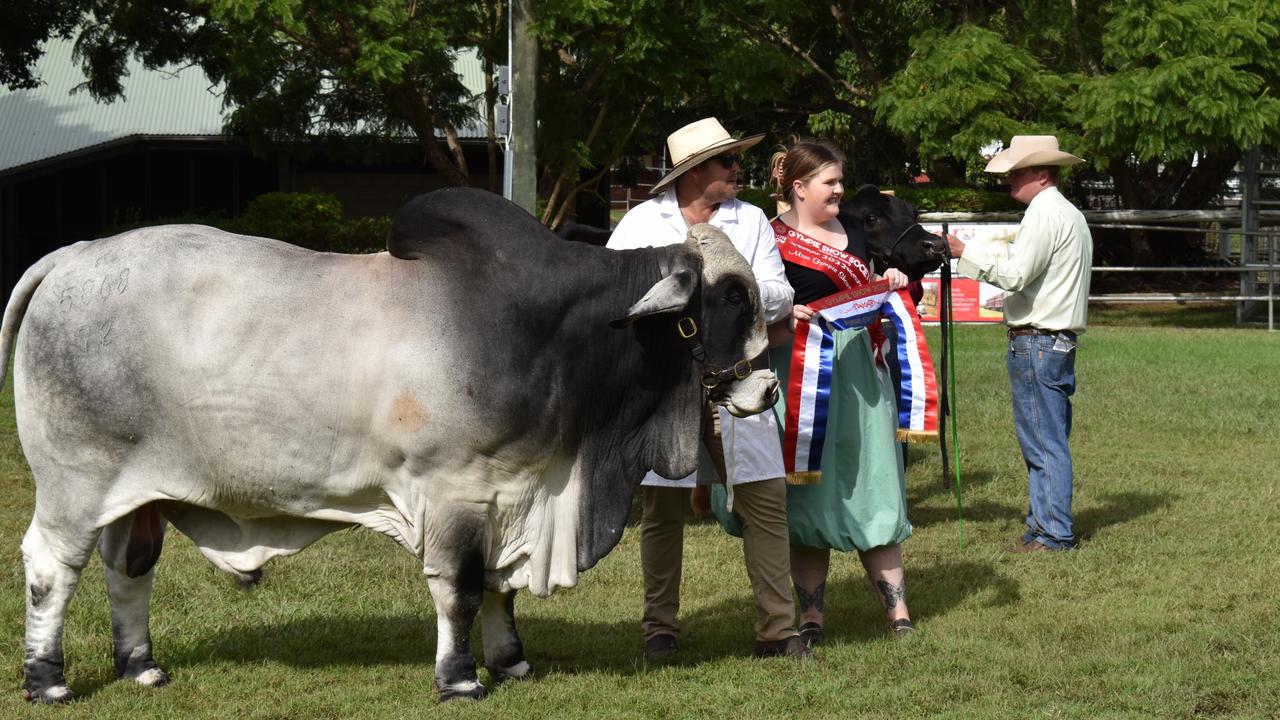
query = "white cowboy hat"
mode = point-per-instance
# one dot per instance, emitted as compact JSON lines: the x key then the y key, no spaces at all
{"x":696,"y":142}
{"x":1030,"y":151}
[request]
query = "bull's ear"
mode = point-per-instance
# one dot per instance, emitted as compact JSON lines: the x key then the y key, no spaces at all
{"x":670,"y":294}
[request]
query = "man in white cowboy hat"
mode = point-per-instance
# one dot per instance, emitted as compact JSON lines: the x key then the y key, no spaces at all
{"x":702,"y":187}
{"x":1046,"y":272}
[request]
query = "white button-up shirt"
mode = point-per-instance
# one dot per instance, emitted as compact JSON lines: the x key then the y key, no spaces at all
{"x":752,"y":445}
{"x":1045,"y":269}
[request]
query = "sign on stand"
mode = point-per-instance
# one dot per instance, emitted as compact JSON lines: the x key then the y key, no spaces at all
{"x":974,"y":302}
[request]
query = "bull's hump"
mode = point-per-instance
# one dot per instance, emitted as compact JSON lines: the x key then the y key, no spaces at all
{"x":432,"y":223}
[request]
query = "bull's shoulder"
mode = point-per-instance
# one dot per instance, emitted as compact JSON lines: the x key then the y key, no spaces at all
{"x":440,"y":220}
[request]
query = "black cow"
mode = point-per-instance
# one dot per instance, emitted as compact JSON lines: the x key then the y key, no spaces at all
{"x":886,"y":226}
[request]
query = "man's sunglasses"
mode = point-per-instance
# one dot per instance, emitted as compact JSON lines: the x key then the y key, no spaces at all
{"x":728,"y":161}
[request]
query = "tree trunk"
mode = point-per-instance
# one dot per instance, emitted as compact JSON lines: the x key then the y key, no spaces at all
{"x":423,"y":122}
{"x":1130,"y":195}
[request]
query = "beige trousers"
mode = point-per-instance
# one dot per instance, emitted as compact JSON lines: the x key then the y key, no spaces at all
{"x":765,"y":547}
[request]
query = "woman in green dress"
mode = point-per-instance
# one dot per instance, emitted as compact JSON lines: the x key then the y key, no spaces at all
{"x":857,"y":500}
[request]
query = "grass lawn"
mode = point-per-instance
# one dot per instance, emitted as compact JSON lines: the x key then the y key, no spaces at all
{"x":1167,"y":610}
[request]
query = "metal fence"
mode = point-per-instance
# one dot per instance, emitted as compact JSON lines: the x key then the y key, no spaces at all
{"x":1249,"y":242}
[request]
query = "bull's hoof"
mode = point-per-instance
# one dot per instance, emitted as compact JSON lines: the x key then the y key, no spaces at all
{"x":152,"y":677}
{"x":249,"y":580}
{"x":466,"y":690}
{"x":520,"y":671}
{"x":55,"y":695}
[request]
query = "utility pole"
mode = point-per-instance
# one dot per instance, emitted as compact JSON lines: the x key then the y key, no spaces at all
{"x":520,"y":183}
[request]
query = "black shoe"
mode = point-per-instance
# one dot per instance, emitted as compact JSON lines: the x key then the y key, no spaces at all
{"x":811,"y":634}
{"x":792,"y":648}
{"x":660,"y":647}
{"x":902,"y":629}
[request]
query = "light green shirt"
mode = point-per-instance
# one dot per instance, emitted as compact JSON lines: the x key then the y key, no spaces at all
{"x":1045,"y":269}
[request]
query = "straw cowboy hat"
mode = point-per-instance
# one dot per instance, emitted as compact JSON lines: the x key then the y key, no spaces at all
{"x":1030,"y":151}
{"x":696,"y":142}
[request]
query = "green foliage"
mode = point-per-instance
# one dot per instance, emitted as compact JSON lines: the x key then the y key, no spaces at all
{"x":27,"y":25}
{"x":760,"y":197}
{"x":294,"y":70}
{"x":1184,"y":78}
{"x":306,"y":219}
{"x":933,"y":199}
{"x":963,"y":89}
{"x":619,"y":75}
{"x":310,"y":220}
{"x":1139,"y":89}
{"x":292,"y":217}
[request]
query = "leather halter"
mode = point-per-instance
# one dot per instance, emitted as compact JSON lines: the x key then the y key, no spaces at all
{"x":688,"y":330}
{"x":889,"y":253}
{"x":712,"y":375}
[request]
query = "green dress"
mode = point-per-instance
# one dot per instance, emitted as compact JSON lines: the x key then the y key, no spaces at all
{"x":861,"y":502}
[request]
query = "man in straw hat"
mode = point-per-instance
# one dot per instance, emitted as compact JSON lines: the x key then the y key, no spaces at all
{"x":702,"y":187}
{"x":1046,"y":272}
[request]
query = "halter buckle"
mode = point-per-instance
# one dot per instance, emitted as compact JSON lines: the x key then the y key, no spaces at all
{"x":689,"y":330}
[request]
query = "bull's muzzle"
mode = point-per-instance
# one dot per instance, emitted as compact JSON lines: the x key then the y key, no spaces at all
{"x":753,"y":394}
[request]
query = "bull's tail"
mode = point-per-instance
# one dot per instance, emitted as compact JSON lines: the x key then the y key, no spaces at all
{"x":21,"y":297}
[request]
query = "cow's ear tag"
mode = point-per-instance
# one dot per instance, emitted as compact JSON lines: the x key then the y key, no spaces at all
{"x":670,"y":294}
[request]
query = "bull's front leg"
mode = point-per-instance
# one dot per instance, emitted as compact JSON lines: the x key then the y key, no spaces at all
{"x":503,"y":651}
{"x":458,"y":598}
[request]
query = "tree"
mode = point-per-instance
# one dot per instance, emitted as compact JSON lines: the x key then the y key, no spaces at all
{"x":24,"y":27}
{"x":1163,"y":95}
{"x":619,"y":75}
{"x":839,"y":55}
{"x":291,"y":69}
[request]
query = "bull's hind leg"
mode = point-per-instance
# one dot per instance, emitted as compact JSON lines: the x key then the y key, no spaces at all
{"x":130,"y":548}
{"x":53,"y":560}
{"x":503,"y":651}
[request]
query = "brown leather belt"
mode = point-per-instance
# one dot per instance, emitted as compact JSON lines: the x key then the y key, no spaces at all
{"x":1026,"y":330}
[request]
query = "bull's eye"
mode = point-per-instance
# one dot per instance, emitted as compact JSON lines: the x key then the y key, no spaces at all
{"x":733,"y":297}
{"x":872,"y":219}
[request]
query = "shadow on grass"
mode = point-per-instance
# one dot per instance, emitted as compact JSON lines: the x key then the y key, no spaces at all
{"x":935,"y":487}
{"x":922,"y":517}
{"x":1115,"y":509}
{"x":1119,"y":508}
{"x":571,"y":645}
{"x":574,"y":646}
{"x":932,"y":591}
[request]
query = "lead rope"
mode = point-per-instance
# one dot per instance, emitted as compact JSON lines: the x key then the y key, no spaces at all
{"x":948,"y":394}
{"x":726,"y":449}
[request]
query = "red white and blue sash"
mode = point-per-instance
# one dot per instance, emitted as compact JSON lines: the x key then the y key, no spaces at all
{"x":857,"y":304}
{"x":812,"y":360}
{"x":917,"y":386}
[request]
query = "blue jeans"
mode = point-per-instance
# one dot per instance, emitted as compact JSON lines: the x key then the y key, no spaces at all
{"x":1042,"y":373}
